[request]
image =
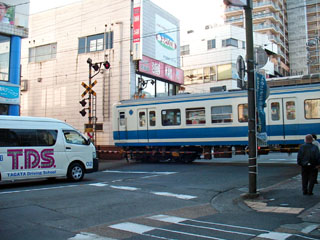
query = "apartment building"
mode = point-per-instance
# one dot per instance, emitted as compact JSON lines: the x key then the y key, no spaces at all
{"x":304,"y":26}
{"x":68,"y":44}
{"x":270,"y":18}
{"x":209,"y":56}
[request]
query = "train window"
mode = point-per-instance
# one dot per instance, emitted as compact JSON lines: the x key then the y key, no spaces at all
{"x":312,"y":108}
{"x":291,"y":110}
{"x":275,"y":111}
{"x":221,"y":114}
{"x":152,"y":118}
{"x":122,"y":117}
{"x":195,"y":116}
{"x":170,"y":117}
{"x":142,"y":119}
{"x":243,"y":112}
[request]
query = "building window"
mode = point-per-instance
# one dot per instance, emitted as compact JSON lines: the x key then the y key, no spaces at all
{"x":221,"y":114}
{"x":95,"y":43}
{"x":312,"y":108}
{"x":230,"y":42}
{"x":195,"y":116}
{"x":43,"y":53}
{"x":170,"y":117}
{"x":211,"y":44}
{"x":4,"y":58}
{"x":4,"y":109}
{"x":209,"y":74}
{"x":224,"y":71}
{"x":185,"y":50}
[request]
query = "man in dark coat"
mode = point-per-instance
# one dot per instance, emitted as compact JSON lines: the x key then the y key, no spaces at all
{"x":308,"y":158}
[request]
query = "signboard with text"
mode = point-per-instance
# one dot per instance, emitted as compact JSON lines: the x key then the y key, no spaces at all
{"x":161,"y":70}
{"x":137,"y":41}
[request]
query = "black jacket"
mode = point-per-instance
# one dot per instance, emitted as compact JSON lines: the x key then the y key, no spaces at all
{"x":308,"y":155}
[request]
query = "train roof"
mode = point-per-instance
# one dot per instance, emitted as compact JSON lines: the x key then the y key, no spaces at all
{"x":216,"y":95}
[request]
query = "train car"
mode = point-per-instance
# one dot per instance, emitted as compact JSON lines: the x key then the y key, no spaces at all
{"x":183,"y":127}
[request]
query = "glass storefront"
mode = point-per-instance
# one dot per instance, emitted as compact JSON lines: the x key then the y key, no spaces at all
{"x":4,"y":57}
{"x":147,"y":87}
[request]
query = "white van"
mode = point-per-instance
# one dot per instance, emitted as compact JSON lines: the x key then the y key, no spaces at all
{"x":32,"y":147}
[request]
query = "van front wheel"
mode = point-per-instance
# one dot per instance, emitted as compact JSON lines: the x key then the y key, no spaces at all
{"x":75,"y":172}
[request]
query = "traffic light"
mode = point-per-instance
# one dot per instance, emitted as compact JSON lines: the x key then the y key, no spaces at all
{"x":83,"y":112}
{"x":83,"y":102}
{"x":106,"y":65}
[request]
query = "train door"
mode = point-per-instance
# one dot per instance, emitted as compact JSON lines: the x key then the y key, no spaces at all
{"x":282,"y":119}
{"x":146,"y":122}
{"x":122,"y":126}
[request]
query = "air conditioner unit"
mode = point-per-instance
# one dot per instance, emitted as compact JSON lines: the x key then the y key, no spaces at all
{"x":24,"y":85}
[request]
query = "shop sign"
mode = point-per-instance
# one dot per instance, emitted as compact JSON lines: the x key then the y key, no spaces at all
{"x":9,"y":93}
{"x":160,"y":70}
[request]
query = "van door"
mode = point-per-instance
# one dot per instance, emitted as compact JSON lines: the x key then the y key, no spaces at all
{"x":77,"y":148}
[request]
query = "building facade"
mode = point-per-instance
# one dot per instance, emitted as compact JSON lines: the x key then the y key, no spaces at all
{"x":63,"y":61}
{"x":13,"y":27}
{"x":304,"y":26}
{"x":209,"y":57}
{"x":270,"y":18}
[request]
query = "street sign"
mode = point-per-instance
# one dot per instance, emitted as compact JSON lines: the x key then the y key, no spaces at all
{"x":89,"y":88}
{"x":261,"y":57}
{"x":241,"y":67}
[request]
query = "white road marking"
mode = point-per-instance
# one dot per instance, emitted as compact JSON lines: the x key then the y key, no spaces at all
{"x":124,"y":188}
{"x":88,"y":236}
{"x":309,"y":228}
{"x":132,"y":227}
{"x":179,"y":220}
{"x":140,"y":172}
{"x":168,"y":219}
{"x":275,"y":235}
{"x":38,"y":189}
{"x":180,"y":196}
{"x":98,"y":184}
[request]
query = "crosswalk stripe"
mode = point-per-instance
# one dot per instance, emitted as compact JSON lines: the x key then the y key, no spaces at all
{"x":132,"y":227}
{"x":139,"y":172}
{"x":275,"y":235}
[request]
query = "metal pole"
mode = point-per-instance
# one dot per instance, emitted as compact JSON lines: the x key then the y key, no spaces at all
{"x":251,"y":102}
{"x":90,"y":98}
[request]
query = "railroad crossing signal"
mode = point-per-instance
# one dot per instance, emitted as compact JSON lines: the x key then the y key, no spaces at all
{"x":89,"y":88}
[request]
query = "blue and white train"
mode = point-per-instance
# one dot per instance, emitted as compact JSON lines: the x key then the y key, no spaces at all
{"x":183,"y":127}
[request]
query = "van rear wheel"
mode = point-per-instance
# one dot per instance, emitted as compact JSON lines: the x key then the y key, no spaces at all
{"x":76,"y":172}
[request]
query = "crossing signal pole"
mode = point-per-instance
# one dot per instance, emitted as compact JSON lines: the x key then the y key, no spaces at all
{"x":92,"y":98}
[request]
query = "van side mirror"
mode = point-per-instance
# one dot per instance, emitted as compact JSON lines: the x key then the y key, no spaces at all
{"x":89,"y":141}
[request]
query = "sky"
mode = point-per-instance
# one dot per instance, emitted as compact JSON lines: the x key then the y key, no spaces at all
{"x":190,"y":15}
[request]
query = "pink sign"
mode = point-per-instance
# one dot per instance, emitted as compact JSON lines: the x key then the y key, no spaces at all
{"x":136,"y":24}
{"x":161,"y":70}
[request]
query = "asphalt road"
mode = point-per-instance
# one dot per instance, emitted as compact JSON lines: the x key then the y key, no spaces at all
{"x":65,"y":210}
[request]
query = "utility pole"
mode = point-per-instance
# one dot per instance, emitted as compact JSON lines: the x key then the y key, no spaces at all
{"x":252,"y":123}
{"x":251,"y":102}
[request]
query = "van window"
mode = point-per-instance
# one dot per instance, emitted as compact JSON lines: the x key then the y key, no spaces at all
{"x":170,"y":117}
{"x":195,"y":116}
{"x":243,"y":112}
{"x":27,"y":137}
{"x":74,"y":137}
{"x":312,"y":108}
{"x":221,"y":114}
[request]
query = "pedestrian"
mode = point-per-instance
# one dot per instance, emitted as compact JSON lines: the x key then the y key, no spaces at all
{"x":308,"y":158}
{"x":315,"y":142}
